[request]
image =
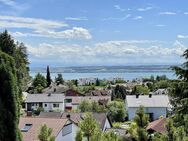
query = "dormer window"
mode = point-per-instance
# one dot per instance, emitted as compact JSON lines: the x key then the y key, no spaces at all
{"x":26,"y":128}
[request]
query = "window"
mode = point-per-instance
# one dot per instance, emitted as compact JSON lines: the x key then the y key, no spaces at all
{"x":26,"y":127}
{"x":56,"y":105}
{"x":45,"y":105}
{"x":67,"y":129}
{"x":68,"y":100}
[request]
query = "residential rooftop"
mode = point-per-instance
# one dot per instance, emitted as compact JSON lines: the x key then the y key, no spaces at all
{"x":35,"y":124}
{"x":44,"y":98}
{"x":147,"y":101}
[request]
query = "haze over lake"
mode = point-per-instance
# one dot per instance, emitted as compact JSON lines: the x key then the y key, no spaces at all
{"x":126,"y":72}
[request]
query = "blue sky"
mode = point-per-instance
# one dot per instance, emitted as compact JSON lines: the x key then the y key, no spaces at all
{"x":98,"y":32}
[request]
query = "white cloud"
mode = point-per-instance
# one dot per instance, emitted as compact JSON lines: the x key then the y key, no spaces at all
{"x":160,"y":25}
{"x":167,"y":13}
{"x":144,"y":9}
{"x":76,"y":18}
{"x":138,"y":18}
{"x":74,"y":33}
{"x":182,"y":36}
{"x":30,"y":23}
{"x":117,"y":19}
{"x":185,"y":13}
{"x":111,"y":53}
{"x":43,"y":28}
{"x":117,"y":7}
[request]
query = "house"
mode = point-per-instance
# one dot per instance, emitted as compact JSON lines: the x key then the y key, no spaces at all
{"x":49,"y":102}
{"x":30,"y":128}
{"x":154,"y":105}
{"x":72,"y":102}
{"x":87,"y":81}
{"x":72,"y":92}
{"x":101,"y":118}
{"x":158,"y":126}
{"x":75,"y":118}
{"x":160,"y":91}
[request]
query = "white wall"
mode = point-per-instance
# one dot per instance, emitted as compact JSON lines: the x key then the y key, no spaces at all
{"x":106,"y":125}
{"x":71,"y":137}
{"x":50,"y":106}
{"x":157,"y":112}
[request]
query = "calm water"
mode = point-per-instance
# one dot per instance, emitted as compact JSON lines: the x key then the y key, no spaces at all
{"x":126,"y":76}
{"x":126,"y":72}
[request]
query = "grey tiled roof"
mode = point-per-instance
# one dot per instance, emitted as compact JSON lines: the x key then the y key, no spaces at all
{"x":144,"y":100}
{"x":44,"y":98}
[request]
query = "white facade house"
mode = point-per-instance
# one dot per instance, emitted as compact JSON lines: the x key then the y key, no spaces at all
{"x":87,"y":81}
{"x":154,"y":105}
{"x":69,"y":131}
{"x":49,"y":102}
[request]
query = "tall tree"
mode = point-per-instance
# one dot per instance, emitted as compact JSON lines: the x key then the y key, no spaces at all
{"x":97,"y":82}
{"x":141,"y":120}
{"x":7,"y":44}
{"x":59,"y":79}
{"x":19,"y":53}
{"x":88,"y":126}
{"x":45,"y":134}
{"x":9,"y":101}
{"x":48,"y":78}
{"x":179,"y":91}
{"x":171,"y":134}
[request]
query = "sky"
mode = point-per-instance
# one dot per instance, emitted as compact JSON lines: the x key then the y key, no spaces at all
{"x":98,"y":32}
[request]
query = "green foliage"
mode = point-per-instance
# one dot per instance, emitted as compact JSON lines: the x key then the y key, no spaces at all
{"x":162,"y":84}
{"x":88,"y":126}
{"x":97,"y":82}
{"x":141,"y":120}
{"x":9,"y":99}
{"x":45,"y":134}
{"x":116,"y":111}
{"x":139,"y":89}
{"x":171,"y":134}
{"x":59,"y":79}
{"x":79,"y":135}
{"x":7,"y":44}
{"x":39,"y":82}
{"x":19,"y":53}
{"x":120,"y":81}
{"x":110,"y":136}
{"x":151,"y":86}
{"x":162,"y":77}
{"x":92,"y":106}
{"x":85,"y":89}
{"x":48,"y":77}
{"x":39,"y":109}
{"x":119,"y":92}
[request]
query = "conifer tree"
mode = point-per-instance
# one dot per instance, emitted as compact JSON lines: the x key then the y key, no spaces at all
{"x":48,"y":78}
{"x":179,"y":91}
{"x":9,"y":101}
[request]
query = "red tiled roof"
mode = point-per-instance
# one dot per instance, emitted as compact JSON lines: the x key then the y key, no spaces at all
{"x":158,"y":125}
{"x":32,"y":133}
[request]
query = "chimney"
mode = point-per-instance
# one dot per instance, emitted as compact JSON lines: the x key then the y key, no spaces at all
{"x":150,"y":95}
{"x":68,"y":116}
{"x":137,"y":95}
